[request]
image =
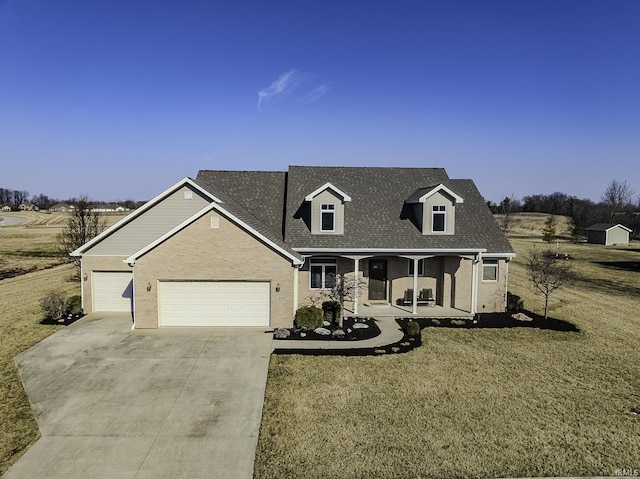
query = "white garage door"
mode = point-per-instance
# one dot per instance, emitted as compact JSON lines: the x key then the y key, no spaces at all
{"x":112,"y":291}
{"x":214,"y":303}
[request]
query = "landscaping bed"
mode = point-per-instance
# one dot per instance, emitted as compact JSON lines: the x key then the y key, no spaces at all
{"x":352,"y":329}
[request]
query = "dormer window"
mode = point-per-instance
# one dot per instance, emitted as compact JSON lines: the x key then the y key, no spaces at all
{"x":327,"y":210}
{"x":328,"y":217}
{"x":439,"y":218}
{"x":434,"y":209}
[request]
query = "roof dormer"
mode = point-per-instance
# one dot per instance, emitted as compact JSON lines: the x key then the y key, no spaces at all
{"x":327,"y":209}
{"x":435,"y":209}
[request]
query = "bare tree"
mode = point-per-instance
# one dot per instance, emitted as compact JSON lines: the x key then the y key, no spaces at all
{"x":617,"y":197}
{"x":548,"y":272}
{"x":343,"y":289}
{"x":82,"y":226}
{"x":506,"y":209}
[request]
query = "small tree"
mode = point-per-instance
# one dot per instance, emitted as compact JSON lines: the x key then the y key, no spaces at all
{"x":548,"y":273}
{"x":506,"y":209}
{"x":82,"y":226}
{"x":549,"y":231}
{"x":344,"y":289}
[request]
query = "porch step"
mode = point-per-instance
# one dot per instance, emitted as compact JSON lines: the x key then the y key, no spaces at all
{"x":377,"y":303}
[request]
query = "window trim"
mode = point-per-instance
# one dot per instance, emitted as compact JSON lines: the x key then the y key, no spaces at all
{"x":323,"y":275}
{"x":493,"y":265}
{"x":420,"y":268}
{"x":330,"y":209}
{"x":442,"y":210}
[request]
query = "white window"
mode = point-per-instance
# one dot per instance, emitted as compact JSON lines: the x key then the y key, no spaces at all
{"x":490,"y":270}
{"x":327,"y":217}
{"x":420,"y":267}
{"x":438,"y":218}
{"x":323,"y":274}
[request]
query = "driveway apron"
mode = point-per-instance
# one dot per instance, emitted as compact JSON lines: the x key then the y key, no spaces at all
{"x":112,"y":402}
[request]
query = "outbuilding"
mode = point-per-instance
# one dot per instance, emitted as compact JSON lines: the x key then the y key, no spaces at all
{"x":608,"y":234}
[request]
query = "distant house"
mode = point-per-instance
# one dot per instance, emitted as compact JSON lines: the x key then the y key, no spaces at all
{"x":27,"y":206}
{"x":108,"y":208}
{"x":5,"y":207}
{"x":608,"y":234}
{"x":62,"y":208}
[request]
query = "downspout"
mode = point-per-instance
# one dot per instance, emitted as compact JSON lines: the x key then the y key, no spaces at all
{"x":506,"y":282}
{"x":474,"y":283}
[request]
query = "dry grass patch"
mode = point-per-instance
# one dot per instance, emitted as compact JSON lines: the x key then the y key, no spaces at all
{"x":20,"y":328}
{"x":472,"y":402}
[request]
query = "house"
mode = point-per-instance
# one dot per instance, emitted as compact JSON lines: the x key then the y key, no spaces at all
{"x":108,"y":208}
{"x":6,"y":207}
{"x":234,"y":248}
{"x":608,"y":234}
{"x":27,"y":206}
{"x":62,"y":208}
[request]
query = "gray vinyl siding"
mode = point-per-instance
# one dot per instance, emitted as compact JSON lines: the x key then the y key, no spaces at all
{"x":325,"y":198}
{"x":439,"y":198}
{"x":150,"y":225}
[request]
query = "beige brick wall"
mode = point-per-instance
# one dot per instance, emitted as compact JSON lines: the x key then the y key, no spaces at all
{"x":200,"y":252}
{"x":98,"y":263}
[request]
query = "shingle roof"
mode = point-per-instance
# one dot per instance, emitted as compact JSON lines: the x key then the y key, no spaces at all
{"x":604,"y":227}
{"x":375,"y":218}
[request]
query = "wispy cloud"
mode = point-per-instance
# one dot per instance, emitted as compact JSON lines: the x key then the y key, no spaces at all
{"x":315,"y":94}
{"x":283,"y":85}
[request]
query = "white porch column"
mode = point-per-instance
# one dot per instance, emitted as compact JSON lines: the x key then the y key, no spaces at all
{"x":356,"y":274}
{"x":414,"y":305}
{"x":295,"y":289}
{"x":474,"y":283}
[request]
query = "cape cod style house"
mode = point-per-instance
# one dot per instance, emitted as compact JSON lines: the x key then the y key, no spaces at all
{"x":247,"y":248}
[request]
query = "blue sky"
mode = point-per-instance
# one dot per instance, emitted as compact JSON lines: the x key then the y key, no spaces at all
{"x":121,"y":99}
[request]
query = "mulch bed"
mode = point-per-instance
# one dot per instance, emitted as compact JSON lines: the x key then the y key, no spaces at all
{"x":66,"y":320}
{"x":350,"y":333}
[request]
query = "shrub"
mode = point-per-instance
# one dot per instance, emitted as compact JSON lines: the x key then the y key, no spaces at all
{"x":514,"y":303}
{"x":309,"y":317}
{"x":413,"y":328}
{"x":75,"y":304}
{"x":54,"y":305}
{"x":332,"y":311}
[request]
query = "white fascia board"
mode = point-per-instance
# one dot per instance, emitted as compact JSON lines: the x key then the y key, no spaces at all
{"x":440,"y":187}
{"x":343,"y":195}
{"x":212,"y":206}
{"x":138,"y":211}
{"x":621,"y":226}
{"x":393,"y":251}
{"x":498,"y":255}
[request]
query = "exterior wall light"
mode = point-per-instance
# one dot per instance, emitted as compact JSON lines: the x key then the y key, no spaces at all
{"x":278,"y":288}
{"x":148,"y":286}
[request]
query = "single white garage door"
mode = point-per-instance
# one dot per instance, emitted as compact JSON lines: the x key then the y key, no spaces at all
{"x":214,"y":303}
{"x":112,"y":291}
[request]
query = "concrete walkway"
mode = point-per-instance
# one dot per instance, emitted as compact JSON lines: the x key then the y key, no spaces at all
{"x":165,"y":403}
{"x":390,"y":333}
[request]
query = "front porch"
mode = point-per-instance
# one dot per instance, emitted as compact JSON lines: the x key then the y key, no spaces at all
{"x":369,"y":310}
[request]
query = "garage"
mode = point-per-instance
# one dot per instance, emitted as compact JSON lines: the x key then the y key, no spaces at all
{"x":214,"y":303}
{"x":112,"y":291}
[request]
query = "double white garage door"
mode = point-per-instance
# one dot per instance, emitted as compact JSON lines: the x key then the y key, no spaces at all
{"x":189,"y":303}
{"x":213,"y":303}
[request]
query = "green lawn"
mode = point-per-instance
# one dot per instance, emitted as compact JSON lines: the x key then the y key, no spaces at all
{"x":474,"y":403}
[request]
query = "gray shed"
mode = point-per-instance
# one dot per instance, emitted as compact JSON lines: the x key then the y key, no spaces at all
{"x":608,"y":234}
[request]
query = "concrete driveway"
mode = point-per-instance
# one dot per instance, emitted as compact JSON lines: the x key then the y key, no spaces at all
{"x":112,"y":402}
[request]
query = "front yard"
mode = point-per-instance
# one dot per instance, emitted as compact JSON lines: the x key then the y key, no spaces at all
{"x":474,"y":402}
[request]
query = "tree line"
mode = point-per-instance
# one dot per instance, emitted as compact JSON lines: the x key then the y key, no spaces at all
{"x":616,"y":205}
{"x":15,"y":198}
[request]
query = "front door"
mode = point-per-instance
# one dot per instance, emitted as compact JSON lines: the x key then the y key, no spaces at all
{"x":378,"y":279}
